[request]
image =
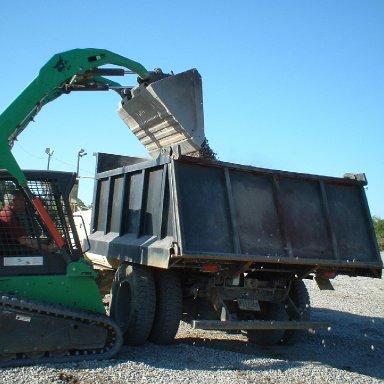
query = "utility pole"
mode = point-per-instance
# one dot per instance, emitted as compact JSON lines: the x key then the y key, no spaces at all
{"x":80,"y":154}
{"x":49,"y":152}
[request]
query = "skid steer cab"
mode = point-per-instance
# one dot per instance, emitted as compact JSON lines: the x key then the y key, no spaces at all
{"x":26,"y":245}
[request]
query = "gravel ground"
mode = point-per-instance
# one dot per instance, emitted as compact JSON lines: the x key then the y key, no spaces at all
{"x":350,"y":351}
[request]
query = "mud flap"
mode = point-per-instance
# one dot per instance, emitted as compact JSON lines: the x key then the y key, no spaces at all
{"x":167,"y":113}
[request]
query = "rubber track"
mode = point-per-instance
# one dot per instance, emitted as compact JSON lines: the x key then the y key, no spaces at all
{"x":115,"y":337}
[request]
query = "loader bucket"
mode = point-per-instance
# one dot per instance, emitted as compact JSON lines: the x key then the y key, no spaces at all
{"x":167,"y":113}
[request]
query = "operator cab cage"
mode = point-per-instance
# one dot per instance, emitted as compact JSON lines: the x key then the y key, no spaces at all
{"x":34,"y":254}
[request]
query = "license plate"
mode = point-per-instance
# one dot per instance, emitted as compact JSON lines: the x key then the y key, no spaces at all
{"x":248,"y":305}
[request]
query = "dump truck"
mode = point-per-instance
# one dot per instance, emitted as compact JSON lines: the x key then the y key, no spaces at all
{"x":222,"y":245}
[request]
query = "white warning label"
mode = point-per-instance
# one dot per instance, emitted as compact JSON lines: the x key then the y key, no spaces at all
{"x":22,"y":261}
{"x":25,"y":318}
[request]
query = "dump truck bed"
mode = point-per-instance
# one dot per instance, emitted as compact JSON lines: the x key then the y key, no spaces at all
{"x":182,"y":209}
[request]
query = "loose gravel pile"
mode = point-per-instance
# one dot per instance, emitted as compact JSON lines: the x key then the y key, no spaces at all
{"x":351,"y":350}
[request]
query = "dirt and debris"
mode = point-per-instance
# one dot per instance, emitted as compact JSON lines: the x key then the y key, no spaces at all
{"x":205,"y":152}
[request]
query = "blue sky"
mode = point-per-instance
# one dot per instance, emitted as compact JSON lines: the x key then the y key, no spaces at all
{"x":291,"y":85}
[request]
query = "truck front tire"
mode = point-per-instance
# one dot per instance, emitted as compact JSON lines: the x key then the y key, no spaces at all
{"x":133,"y":302}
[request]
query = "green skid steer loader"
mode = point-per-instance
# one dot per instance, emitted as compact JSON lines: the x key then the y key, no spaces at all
{"x":51,"y":309}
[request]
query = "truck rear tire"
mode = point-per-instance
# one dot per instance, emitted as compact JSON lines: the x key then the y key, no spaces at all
{"x":169,"y":305}
{"x":300,"y":297}
{"x":271,"y":311}
{"x":133,"y":302}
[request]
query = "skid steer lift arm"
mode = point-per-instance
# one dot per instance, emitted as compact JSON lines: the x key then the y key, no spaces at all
{"x":76,"y":69}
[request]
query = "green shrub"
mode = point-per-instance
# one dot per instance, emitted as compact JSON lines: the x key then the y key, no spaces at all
{"x":378,"y":224}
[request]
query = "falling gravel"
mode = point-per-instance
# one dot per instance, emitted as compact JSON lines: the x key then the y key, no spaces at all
{"x":351,"y":350}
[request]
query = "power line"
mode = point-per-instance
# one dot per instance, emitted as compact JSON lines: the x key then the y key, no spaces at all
{"x":27,"y":152}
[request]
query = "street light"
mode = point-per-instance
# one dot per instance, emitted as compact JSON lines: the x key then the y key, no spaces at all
{"x":80,"y":154}
{"x":49,"y":152}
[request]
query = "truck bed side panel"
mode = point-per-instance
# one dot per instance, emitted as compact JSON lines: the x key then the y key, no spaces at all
{"x":231,"y":212}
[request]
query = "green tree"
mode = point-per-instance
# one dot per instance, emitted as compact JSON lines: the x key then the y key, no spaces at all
{"x":378,"y":224}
